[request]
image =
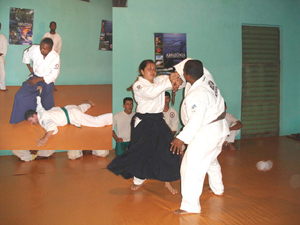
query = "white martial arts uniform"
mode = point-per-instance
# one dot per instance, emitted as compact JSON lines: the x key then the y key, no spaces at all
{"x":26,"y":156}
{"x":3,"y":50}
{"x":171,"y":118}
{"x":47,"y":68}
{"x":121,"y":121}
{"x":74,"y":154}
{"x":51,"y":119}
{"x":57,"y":41}
{"x":231,"y":121}
{"x":202,"y":104}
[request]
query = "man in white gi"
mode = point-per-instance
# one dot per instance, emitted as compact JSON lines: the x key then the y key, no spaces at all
{"x":122,"y":121}
{"x":75,"y":154}
{"x":57,"y":41}
{"x":170,"y":114}
{"x":205,"y":129}
{"x":3,"y":50}
{"x":234,"y":127}
{"x":70,"y":114}
{"x":30,"y":155}
{"x":43,"y":73}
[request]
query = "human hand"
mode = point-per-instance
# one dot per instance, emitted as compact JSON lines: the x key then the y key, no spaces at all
{"x":176,"y":146}
{"x":120,"y":140}
{"x":33,"y":152}
{"x":40,"y":89}
{"x":33,"y":81}
{"x":41,"y":142}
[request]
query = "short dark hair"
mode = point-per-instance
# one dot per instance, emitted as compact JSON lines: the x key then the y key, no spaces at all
{"x":52,"y":22}
{"x":30,"y":113}
{"x":127,"y":99}
{"x":194,"y":68}
{"x":167,"y":94}
{"x":47,"y":41}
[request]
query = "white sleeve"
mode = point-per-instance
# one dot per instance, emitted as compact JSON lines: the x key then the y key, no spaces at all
{"x":54,"y":71}
{"x":39,"y":107}
{"x":27,"y":55}
{"x":59,"y":45}
{"x":3,"y":47}
{"x":151,"y":92}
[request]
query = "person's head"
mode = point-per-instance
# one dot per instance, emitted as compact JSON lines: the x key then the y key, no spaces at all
{"x":52,"y":26}
{"x":147,"y":69}
{"x":0,"y":26}
{"x":46,"y":46}
{"x":128,"y":105}
{"x":31,"y":117}
{"x":167,"y":98}
{"x":193,"y":70}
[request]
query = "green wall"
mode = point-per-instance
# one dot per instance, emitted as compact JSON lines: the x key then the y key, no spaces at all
{"x":213,"y":29}
{"x":79,"y":25}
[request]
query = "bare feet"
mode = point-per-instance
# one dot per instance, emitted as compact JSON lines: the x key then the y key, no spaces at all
{"x":181,"y":212}
{"x":91,"y":103}
{"x":214,"y":193}
{"x":171,"y":189}
{"x":6,"y":90}
{"x":135,"y":187}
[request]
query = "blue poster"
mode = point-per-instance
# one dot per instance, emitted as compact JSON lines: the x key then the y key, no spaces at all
{"x":170,"y":49}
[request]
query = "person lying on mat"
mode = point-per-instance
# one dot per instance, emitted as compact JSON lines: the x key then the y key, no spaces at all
{"x":30,"y":155}
{"x":70,"y":114}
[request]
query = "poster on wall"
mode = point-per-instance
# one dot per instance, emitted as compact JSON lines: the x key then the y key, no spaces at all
{"x":170,"y":49}
{"x":119,"y":3}
{"x":20,"y":26}
{"x":106,"y":36}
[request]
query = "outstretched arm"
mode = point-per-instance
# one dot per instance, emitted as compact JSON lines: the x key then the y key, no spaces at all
{"x":42,"y":141}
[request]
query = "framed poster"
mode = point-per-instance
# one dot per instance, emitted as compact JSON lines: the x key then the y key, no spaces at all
{"x":20,"y":26}
{"x":170,"y":49}
{"x":106,"y":36}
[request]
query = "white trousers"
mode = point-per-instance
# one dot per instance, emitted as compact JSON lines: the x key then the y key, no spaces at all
{"x":231,"y":137}
{"x":201,"y":158}
{"x":2,"y":74}
{"x":78,"y":117}
{"x":74,"y":154}
{"x":26,"y":156}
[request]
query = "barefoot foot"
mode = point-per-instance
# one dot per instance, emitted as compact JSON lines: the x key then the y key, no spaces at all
{"x":181,"y":212}
{"x":170,"y":188}
{"x":91,"y":103}
{"x":135,"y":187}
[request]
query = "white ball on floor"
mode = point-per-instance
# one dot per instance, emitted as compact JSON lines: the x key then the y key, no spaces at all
{"x":264,"y":165}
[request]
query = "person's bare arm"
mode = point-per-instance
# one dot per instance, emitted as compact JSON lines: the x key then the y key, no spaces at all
{"x":237,"y":126}
{"x":116,"y":137}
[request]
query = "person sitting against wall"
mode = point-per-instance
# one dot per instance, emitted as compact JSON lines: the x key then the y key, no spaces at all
{"x":234,"y":127}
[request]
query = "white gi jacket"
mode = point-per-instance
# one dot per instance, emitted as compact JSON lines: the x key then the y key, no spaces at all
{"x":3,"y":44}
{"x":47,"y":68}
{"x":196,"y":111}
{"x":150,"y":97}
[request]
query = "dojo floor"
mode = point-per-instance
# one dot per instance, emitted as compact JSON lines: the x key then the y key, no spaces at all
{"x":60,"y":191}
{"x":23,"y":136}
